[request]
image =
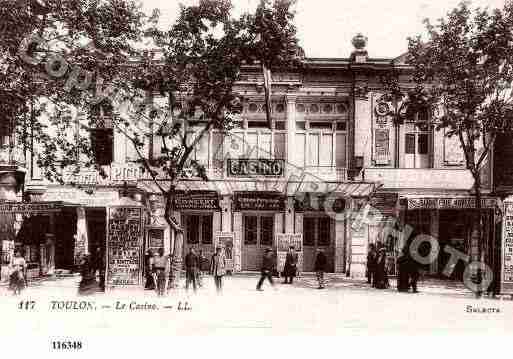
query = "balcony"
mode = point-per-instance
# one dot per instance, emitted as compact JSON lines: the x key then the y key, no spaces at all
{"x":11,"y":156}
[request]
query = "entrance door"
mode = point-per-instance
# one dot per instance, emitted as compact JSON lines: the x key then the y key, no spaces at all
{"x":258,"y":235}
{"x":316,"y":235}
{"x":455,"y":229}
{"x":198,"y":233}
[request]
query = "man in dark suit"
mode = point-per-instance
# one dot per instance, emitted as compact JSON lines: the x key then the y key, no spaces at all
{"x":290,"y":268}
{"x":321,"y":263}
{"x":267,"y":269}
{"x":191,"y":268}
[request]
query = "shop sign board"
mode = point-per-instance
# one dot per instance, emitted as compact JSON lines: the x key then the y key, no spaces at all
{"x":225,"y":240}
{"x":507,"y":249}
{"x":78,"y":196}
{"x":449,"y":203}
{"x":259,"y":201}
{"x":198,"y":200}
{"x":30,"y":208}
{"x":114,"y":174}
{"x":244,"y":167}
{"x":124,"y":246}
{"x":283,"y":242}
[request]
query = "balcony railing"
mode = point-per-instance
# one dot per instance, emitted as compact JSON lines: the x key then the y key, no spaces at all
{"x":11,"y":156}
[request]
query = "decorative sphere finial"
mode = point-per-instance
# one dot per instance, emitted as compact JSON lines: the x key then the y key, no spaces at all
{"x":359,"y":41}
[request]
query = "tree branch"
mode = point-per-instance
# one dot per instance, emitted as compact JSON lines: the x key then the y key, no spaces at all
{"x":143,"y":159}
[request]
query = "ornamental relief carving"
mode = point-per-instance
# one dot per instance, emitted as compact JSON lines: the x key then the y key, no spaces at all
{"x":253,"y":108}
{"x":321,"y":108}
{"x":361,"y":91}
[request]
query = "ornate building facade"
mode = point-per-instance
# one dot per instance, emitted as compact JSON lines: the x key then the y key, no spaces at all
{"x":332,"y":147}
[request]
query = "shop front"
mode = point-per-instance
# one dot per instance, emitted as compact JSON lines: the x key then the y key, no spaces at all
{"x":450,"y":221}
{"x":319,"y":229}
{"x":31,"y":229}
{"x":258,"y":216}
{"x":200,"y":218}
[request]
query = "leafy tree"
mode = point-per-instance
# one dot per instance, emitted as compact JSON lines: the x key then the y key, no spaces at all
{"x":52,"y":52}
{"x":466,"y":68}
{"x":93,"y":55}
{"x":202,"y":56}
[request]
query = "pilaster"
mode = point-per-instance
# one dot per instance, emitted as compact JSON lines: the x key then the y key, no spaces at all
{"x":290,"y":100}
{"x":237,"y":242}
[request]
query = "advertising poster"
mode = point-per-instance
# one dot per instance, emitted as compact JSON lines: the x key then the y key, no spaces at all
{"x":124,"y":244}
{"x":284,"y":241}
{"x":507,"y":249}
{"x":225,"y":241}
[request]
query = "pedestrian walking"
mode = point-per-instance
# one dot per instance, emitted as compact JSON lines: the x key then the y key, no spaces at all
{"x":191,"y":269}
{"x":290,"y":267}
{"x":17,"y":279}
{"x":218,"y":268}
{"x":413,"y":271}
{"x":321,"y":263}
{"x":267,"y":269}
{"x":148,"y":265}
{"x":381,"y":270}
{"x":371,"y":265}
{"x":99,"y":266}
{"x":161,"y":267}
{"x":403,"y":276}
{"x":88,"y":284}
{"x":203,"y":267}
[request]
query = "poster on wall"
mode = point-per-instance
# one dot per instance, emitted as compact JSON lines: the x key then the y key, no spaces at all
{"x":224,"y":240}
{"x":381,"y":146}
{"x":283,"y":242}
{"x":155,"y":239}
{"x":124,"y":245}
{"x":507,"y":249}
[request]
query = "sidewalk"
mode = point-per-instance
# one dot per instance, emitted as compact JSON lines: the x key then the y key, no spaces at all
{"x":335,"y":282}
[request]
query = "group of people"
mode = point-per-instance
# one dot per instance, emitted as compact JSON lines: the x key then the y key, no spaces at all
{"x":158,"y":268}
{"x":377,"y":271}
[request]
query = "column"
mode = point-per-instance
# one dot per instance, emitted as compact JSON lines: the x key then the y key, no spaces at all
{"x":362,"y":122}
{"x":81,"y":239}
{"x":226,"y":214}
{"x":298,"y":228}
{"x":237,"y":243}
{"x":359,"y":234}
{"x":278,"y":226}
{"x":340,"y":242}
{"x":290,"y":100}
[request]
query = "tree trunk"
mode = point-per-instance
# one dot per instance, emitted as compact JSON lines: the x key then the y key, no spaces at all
{"x":176,"y":254}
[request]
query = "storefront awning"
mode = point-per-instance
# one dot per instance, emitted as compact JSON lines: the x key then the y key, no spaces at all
{"x":288,"y":188}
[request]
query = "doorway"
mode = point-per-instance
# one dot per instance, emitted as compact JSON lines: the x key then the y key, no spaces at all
{"x":317,"y":234}
{"x":258,"y":233}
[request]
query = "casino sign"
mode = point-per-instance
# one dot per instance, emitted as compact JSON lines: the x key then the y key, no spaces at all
{"x":256,"y":167}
